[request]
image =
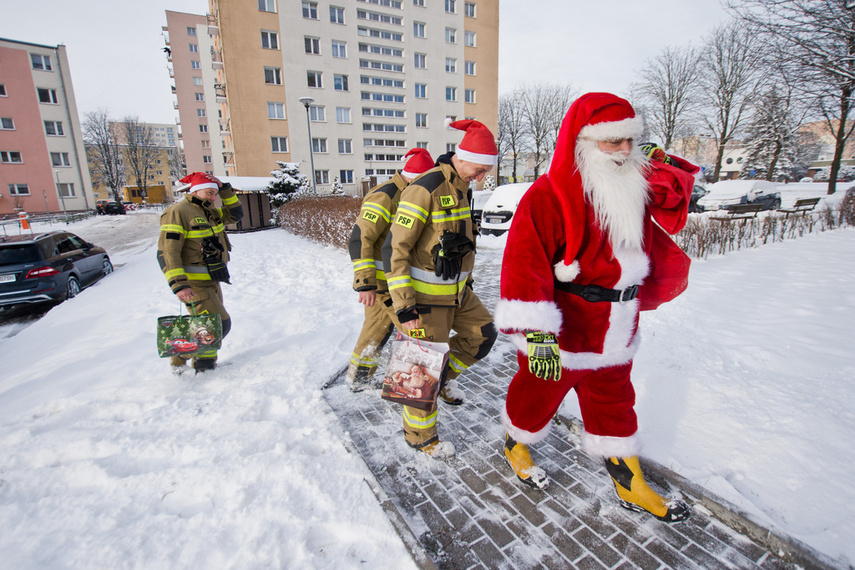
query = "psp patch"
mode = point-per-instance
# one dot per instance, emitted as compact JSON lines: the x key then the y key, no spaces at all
{"x":200,"y":221}
{"x":406,"y":221}
{"x":370,"y":216}
{"x":418,"y":333}
{"x":447,"y":201}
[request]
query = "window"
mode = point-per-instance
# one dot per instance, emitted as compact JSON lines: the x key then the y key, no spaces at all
{"x":203,"y":128}
{"x":272,"y":75}
{"x":339,"y":49}
{"x":469,"y":68}
{"x":469,"y":39}
{"x":336,"y":15}
{"x":201,"y":113}
{"x":340,"y":82}
{"x":197,"y":81}
{"x":279,"y":144}
{"x":3,"y":90}
{"x":19,"y":190}
{"x":319,"y":145}
{"x":419,"y":61}
{"x":41,"y":62}
{"x":381,"y":65}
{"x":449,"y":6}
{"x":313,"y":45}
{"x":450,"y":65}
{"x":11,"y":157}
{"x":322,"y":176}
{"x":469,"y":95}
{"x":66,"y":191}
{"x":421,"y":91}
{"x":191,"y":31}
{"x":195,"y":65}
{"x":47,"y":96}
{"x":345,"y":146}
{"x":7,"y":124}
{"x":317,"y":113}
{"x":310,"y":10}
{"x":205,"y":158}
{"x":53,"y":128}
{"x":382,"y":34}
{"x":269,"y":40}
{"x":194,"y":48}
{"x":267,"y":5}
{"x":342,"y":114}
{"x":419,"y":3}
{"x":346,"y":176}
{"x":275,"y":110}
{"x":382,"y":50}
{"x":450,"y":147}
{"x":469,"y":9}
{"x":206,"y":144}
{"x":313,"y":79}
{"x":450,"y":35}
{"x":418,"y":29}
{"x":421,"y":144}
{"x":451,"y":93}
{"x":200,"y":96}
{"x":385,"y":82}
{"x":421,"y":119}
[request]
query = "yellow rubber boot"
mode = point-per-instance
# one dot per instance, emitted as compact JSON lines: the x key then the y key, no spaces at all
{"x":519,"y":458}
{"x":636,"y":495}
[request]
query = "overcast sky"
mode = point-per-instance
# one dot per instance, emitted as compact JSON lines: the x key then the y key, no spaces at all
{"x":117,"y":62}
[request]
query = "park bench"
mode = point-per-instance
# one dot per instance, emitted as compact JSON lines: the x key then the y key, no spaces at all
{"x":801,"y":206}
{"x":738,"y":212}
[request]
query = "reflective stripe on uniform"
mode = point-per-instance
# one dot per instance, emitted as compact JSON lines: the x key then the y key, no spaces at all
{"x":413,"y":210}
{"x":451,"y":215}
{"x":197,"y":273}
{"x":456,"y":364}
{"x":360,"y":264}
{"x":229,"y":202}
{"x":173,"y":228}
{"x":172,"y":273}
{"x":419,"y":423}
{"x":378,"y":209}
{"x":428,"y":283}
{"x":369,"y":362}
{"x":399,"y":282}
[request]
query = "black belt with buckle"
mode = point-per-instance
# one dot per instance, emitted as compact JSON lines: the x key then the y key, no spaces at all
{"x":597,"y":294}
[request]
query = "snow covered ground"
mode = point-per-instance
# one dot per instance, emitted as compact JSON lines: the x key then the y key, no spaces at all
{"x":108,"y":460}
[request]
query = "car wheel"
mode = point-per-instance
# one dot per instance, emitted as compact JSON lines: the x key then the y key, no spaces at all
{"x":72,"y":288}
{"x":106,"y":267}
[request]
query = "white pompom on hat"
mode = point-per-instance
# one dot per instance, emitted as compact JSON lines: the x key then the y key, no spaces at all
{"x":478,"y":144}
{"x":420,"y":163}
{"x":198,"y":181}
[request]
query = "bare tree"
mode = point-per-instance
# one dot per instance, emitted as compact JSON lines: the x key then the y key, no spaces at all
{"x":141,"y":151}
{"x":667,"y":89}
{"x":177,"y":164}
{"x":511,"y":129}
{"x":728,"y":84}
{"x":818,"y":38}
{"x":542,"y":110}
{"x":102,"y":151}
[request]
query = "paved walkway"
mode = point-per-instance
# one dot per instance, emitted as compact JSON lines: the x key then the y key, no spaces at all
{"x":471,"y":512}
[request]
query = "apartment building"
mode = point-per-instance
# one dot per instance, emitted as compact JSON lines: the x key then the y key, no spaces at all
{"x":189,"y":51}
{"x":369,"y":79}
{"x":42,"y":158}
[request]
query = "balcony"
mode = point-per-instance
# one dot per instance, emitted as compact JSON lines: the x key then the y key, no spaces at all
{"x":213,"y":25}
{"x":220,"y":90}
{"x":229,"y":158}
{"x":225,"y":129}
{"x":216,"y":59}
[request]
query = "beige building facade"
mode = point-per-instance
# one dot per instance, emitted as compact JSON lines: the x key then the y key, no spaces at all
{"x":379,"y":77}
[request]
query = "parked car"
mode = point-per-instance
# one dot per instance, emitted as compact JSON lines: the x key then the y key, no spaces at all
{"x":698,"y":192}
{"x":479,"y":199}
{"x":48,"y":267}
{"x":100,"y":205}
{"x":499,"y":209}
{"x":114,"y":208}
{"x":722,"y":195}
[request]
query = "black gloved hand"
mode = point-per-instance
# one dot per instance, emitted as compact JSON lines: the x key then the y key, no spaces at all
{"x":446,"y":256}
{"x":445,"y":267}
{"x":407,"y":315}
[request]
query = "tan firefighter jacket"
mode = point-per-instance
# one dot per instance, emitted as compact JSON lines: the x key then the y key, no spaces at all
{"x":369,"y":233}
{"x":437,"y":200}
{"x":183,"y":226}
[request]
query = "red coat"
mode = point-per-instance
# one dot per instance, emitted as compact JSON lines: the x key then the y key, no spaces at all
{"x":591,"y":335}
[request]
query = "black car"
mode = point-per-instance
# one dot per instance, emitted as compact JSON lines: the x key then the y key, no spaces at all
{"x":49,"y":267}
{"x":114,"y":208}
{"x":698,"y":192}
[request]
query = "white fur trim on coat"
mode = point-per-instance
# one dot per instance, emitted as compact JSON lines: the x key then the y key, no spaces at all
{"x":522,"y":436}
{"x":528,"y":315}
{"x":587,"y":360}
{"x":608,"y":446}
{"x":624,"y":129}
{"x":566,"y":273}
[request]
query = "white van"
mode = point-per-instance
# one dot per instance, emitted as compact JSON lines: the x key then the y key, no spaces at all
{"x":500,"y":208}
{"x":479,"y":200}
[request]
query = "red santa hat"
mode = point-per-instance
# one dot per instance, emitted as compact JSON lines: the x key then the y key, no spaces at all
{"x":598,"y":116}
{"x":198,"y":181}
{"x":420,"y":163}
{"x":478,"y":144}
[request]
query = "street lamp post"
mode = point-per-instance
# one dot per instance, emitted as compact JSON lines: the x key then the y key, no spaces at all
{"x":306,"y":101}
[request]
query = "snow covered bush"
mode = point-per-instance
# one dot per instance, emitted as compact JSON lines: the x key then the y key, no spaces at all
{"x":323,"y":219}
{"x":288,"y":182}
{"x":489,"y":182}
{"x":336,"y":188}
{"x":846,"y":173}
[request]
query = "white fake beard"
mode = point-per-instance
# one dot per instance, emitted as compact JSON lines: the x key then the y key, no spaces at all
{"x":615,"y":185}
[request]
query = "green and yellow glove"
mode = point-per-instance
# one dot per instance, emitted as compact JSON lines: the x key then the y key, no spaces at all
{"x":655,"y":152}
{"x":544,"y":359}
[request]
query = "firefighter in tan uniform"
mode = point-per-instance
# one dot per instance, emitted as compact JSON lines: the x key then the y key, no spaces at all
{"x":369,"y":279}
{"x":431,"y":253}
{"x":193,"y":250}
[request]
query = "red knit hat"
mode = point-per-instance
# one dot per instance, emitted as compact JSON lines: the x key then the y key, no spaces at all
{"x":421,"y":162}
{"x":598,"y":116}
{"x":478,"y":144}
{"x":198,"y":181}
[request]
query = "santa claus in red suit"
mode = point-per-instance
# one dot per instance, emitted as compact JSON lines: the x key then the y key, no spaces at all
{"x":586,"y":252}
